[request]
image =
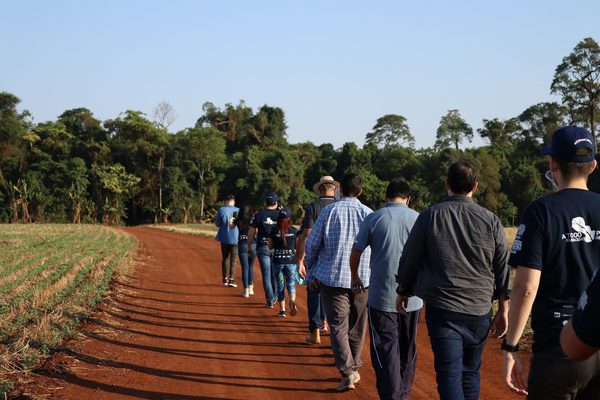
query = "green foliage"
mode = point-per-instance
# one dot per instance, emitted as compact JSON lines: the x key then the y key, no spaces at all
{"x":453,"y":130}
{"x":577,"y":80}
{"x":390,"y":129}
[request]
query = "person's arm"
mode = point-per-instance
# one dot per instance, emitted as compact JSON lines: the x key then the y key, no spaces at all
{"x":524,"y":291}
{"x":218,"y":218}
{"x":314,"y":241}
{"x":414,"y":255}
{"x":355,"y":282}
{"x":270,"y":243}
{"x":502,"y":282}
{"x":573,"y":347}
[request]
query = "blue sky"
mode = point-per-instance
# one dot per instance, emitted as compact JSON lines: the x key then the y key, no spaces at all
{"x":333,"y":66}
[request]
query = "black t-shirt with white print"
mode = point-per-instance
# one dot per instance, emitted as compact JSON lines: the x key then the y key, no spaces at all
{"x":284,"y":253}
{"x":559,"y":235}
{"x":264,"y":221}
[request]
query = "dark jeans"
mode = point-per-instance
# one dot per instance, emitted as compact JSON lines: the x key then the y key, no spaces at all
{"x":265,"y":259}
{"x":457,"y":341}
{"x":229,"y":251}
{"x":247,"y":262}
{"x":347,"y":313}
{"x":393,"y":351}
{"x":552,"y":376}
{"x":316,"y":311}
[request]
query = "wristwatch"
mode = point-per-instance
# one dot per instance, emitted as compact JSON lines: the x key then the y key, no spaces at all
{"x":507,"y":347}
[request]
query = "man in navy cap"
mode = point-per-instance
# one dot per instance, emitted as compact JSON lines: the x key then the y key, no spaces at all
{"x":260,"y":228}
{"x":556,"y":252}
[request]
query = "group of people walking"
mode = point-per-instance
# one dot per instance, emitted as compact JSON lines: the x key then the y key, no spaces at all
{"x":376,"y":270}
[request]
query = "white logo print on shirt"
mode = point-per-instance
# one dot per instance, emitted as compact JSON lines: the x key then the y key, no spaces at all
{"x":583,"y":232}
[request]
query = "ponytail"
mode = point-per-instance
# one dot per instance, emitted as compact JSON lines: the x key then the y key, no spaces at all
{"x":283,"y":224}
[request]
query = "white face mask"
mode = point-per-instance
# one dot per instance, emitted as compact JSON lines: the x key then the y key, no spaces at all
{"x":550,"y":178}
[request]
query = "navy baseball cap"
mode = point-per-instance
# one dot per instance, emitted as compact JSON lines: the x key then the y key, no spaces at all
{"x":567,"y":142}
{"x":272,"y":198}
{"x":285,"y":213}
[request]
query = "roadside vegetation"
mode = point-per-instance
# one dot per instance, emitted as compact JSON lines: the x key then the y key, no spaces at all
{"x":188,"y":229}
{"x":51,"y":278}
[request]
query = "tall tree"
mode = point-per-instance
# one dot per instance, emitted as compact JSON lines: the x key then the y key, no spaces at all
{"x":390,"y":129}
{"x":164,"y":115}
{"x":577,"y":79}
{"x":453,"y":129}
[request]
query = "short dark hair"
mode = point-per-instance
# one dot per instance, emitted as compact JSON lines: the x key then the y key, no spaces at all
{"x":351,"y":185}
{"x":397,"y":188}
{"x":462,"y":176}
{"x":571,"y":170}
{"x":229,"y":197}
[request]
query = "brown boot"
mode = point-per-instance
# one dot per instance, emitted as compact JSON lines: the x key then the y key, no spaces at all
{"x":314,"y":337}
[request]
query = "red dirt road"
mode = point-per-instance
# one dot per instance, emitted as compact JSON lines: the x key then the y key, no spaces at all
{"x":170,"y":330}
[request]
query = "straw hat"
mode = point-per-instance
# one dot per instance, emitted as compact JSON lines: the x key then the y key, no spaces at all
{"x":323,"y":180}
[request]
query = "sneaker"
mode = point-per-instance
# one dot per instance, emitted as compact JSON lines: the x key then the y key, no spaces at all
{"x":281,"y":314}
{"x":251,"y":290}
{"x":356,"y":377}
{"x":232,"y":283}
{"x":293,"y":308}
{"x":324,"y":329}
{"x":346,"y":384}
{"x":245,"y":293}
{"x":225,"y":282}
{"x":269,"y":305}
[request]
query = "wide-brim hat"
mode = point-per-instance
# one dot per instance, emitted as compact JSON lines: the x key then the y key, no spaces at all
{"x":323,"y":180}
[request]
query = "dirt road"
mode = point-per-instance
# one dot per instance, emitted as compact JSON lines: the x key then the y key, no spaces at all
{"x":170,"y":330}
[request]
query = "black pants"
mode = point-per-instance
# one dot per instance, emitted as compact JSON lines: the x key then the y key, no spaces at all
{"x":393,"y":352}
{"x":229,"y":251}
{"x":552,"y":376}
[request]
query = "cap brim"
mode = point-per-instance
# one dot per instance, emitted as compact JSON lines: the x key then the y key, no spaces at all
{"x":318,"y":184}
{"x":546,"y":151}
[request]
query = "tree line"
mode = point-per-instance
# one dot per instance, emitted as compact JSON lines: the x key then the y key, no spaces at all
{"x":133,"y":170}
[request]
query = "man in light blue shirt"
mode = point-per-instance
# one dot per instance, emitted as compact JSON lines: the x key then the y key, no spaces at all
{"x":393,"y":330}
{"x":228,"y":234}
{"x":328,"y":248}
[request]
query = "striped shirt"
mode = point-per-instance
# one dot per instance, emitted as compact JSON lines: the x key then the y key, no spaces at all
{"x":330,"y":241}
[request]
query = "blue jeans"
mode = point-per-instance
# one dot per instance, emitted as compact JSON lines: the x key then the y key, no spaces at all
{"x":247,"y":262}
{"x":457,"y":341}
{"x":316,"y":311}
{"x":265,"y":259}
{"x":285,"y":276}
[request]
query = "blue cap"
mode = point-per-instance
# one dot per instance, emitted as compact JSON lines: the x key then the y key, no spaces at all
{"x":272,"y":198}
{"x":285,"y":213}
{"x":567,"y":142}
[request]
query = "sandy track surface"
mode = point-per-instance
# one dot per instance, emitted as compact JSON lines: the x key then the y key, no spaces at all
{"x":170,"y":330}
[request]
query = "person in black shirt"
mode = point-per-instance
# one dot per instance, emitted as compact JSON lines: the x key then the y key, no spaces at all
{"x":325,"y":188}
{"x":580,"y":338}
{"x":260,"y":229}
{"x":282,"y":240}
{"x":556,"y":252}
{"x":246,"y":253}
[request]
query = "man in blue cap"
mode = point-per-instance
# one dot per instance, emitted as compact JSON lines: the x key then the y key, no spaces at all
{"x":556,"y":252}
{"x":260,"y":229}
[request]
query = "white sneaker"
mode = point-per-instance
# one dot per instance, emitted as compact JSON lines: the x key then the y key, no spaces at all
{"x":251,"y":290}
{"x":245,"y":293}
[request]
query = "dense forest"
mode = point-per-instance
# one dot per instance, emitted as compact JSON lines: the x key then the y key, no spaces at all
{"x":133,"y":170}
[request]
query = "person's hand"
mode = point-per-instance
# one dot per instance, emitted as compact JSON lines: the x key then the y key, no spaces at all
{"x":357,"y":285}
{"x":401,"y":303}
{"x":314,"y":284}
{"x":301,"y":270}
{"x":499,"y":324}
{"x":514,"y":373}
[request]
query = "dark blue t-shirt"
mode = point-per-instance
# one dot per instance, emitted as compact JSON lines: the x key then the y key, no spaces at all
{"x":586,"y":319}
{"x":264,"y":221}
{"x":559,"y":235}
{"x":284,"y":253}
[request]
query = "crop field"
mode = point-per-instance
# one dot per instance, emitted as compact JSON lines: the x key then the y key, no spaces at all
{"x":209,"y":230}
{"x":51,"y":277}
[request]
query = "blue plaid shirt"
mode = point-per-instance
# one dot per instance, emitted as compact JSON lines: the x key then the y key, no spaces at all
{"x":330,"y":241}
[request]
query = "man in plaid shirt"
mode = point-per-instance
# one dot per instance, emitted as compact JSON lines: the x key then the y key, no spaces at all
{"x":328,"y":249}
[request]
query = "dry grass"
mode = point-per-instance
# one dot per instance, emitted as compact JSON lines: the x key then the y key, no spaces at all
{"x":190,"y":229}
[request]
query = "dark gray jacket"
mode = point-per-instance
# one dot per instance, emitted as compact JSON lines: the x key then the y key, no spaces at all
{"x":456,"y":257}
